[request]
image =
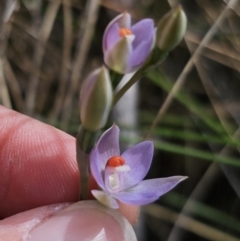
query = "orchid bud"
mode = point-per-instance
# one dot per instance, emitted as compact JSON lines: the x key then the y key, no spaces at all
{"x":96,"y":99}
{"x":171,"y":29}
{"x":126,"y":47}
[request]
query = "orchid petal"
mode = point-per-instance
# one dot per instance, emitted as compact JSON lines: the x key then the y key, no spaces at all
{"x":148,"y":191}
{"x":143,"y":30}
{"x":144,"y":33}
{"x":105,"y":199}
{"x":139,"y":159}
{"x":95,"y":166}
{"x":107,"y":146}
{"x":140,"y":54}
{"x":112,"y":37}
{"x":122,"y":20}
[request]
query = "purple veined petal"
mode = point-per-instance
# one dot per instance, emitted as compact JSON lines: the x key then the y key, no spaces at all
{"x":148,"y":191}
{"x":122,"y":20}
{"x":96,"y":169}
{"x":111,"y":37}
{"x":117,"y":58}
{"x":107,"y":146}
{"x":139,"y":159}
{"x":140,"y":54}
{"x":143,"y":31}
{"x":105,"y":199}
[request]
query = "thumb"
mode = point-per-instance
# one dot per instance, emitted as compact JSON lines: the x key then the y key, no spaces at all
{"x":85,"y":220}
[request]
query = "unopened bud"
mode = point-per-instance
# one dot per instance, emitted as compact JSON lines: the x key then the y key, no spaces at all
{"x":171,"y":29}
{"x":96,"y":99}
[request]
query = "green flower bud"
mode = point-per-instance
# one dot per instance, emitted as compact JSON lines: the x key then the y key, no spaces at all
{"x":96,"y":99}
{"x":171,"y":29}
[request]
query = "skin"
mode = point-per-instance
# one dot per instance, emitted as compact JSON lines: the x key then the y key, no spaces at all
{"x":39,"y":182}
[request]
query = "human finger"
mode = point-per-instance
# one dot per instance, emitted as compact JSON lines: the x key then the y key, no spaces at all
{"x":85,"y":220}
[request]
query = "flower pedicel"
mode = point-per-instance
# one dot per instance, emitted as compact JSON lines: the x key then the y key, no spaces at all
{"x":120,"y":176}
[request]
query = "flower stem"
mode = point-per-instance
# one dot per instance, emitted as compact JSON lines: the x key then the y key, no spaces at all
{"x":156,"y":58}
{"x":84,"y":142}
{"x":124,"y":89}
{"x":115,"y":78}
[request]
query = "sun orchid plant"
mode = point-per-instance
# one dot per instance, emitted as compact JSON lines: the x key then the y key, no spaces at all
{"x":126,"y":48}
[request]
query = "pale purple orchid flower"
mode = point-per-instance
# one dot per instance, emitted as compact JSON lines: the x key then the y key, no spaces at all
{"x":120,"y":177}
{"x":126,"y":47}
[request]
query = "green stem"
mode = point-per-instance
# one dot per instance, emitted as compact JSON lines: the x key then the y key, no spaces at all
{"x":84,"y":143}
{"x":129,"y":84}
{"x":156,"y":58}
{"x":115,"y":78}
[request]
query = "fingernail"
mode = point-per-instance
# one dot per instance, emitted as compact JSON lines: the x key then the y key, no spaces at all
{"x":85,"y":221}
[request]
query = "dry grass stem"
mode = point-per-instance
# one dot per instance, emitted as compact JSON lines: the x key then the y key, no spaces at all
{"x":188,"y":224}
{"x":214,"y":51}
{"x":88,"y":21}
{"x":14,"y":86}
{"x":66,"y":61}
{"x":43,"y":36}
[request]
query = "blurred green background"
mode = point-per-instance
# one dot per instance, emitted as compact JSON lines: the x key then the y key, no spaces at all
{"x":47,"y":47}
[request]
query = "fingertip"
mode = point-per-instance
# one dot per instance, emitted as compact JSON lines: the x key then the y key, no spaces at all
{"x":18,"y":227}
{"x":85,"y":220}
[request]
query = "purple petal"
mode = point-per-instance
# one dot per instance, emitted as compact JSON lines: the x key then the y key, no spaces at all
{"x":143,"y":31}
{"x":105,"y":199}
{"x":107,"y":146}
{"x":148,"y":191}
{"x":111,"y":37}
{"x":111,"y":34}
{"x":139,"y":158}
{"x":140,"y":54}
{"x":144,"y":37}
{"x":96,"y":169}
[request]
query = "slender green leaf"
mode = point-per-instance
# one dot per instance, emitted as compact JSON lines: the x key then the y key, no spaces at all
{"x":168,"y":118}
{"x":193,"y":136}
{"x":188,"y":101}
{"x":204,"y":155}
